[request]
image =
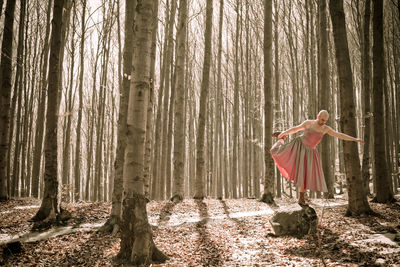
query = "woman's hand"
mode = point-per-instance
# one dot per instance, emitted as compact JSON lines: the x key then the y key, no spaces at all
{"x":360,"y":141}
{"x":282,"y":135}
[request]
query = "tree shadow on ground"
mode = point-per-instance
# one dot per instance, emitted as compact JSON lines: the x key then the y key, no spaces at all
{"x":166,"y":211}
{"x":333,"y":247}
{"x":75,"y":249}
{"x":211,"y":253}
{"x":242,"y":227}
{"x":92,"y":247}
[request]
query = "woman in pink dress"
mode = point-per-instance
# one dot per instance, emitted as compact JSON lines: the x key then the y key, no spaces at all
{"x":298,"y":160}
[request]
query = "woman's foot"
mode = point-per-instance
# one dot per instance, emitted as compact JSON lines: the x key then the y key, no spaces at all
{"x":302,"y":200}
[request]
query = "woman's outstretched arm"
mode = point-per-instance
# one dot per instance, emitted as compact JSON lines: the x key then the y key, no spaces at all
{"x":293,"y":130}
{"x":343,"y":136}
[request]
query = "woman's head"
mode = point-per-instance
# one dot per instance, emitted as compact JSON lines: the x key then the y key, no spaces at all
{"x":322,"y":117}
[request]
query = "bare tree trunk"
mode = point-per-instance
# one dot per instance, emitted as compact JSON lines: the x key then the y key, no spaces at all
{"x":6,"y":72}
{"x":158,"y":178}
{"x":396,"y":99}
{"x":50,"y":206}
{"x":325,"y":96}
{"x":366,"y":94}
{"x":384,"y":194}
{"x":34,"y":84}
{"x":235,"y":136}
{"x":137,"y":245}
{"x":219,"y":103}
{"x":199,"y":194}
{"x":78,"y":156}
{"x":66,"y":166}
{"x":37,"y":153}
{"x":278,"y":125}
{"x":358,"y":203}
{"x":150,"y":120}
{"x":267,"y":196}
{"x":179,"y":129}
{"x":17,"y":106}
{"x":123,"y":110}
{"x":167,"y":80}
{"x":168,"y":165}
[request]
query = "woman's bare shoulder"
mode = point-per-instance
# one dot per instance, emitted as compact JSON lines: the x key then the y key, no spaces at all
{"x":327,"y":129}
{"x":307,"y":123}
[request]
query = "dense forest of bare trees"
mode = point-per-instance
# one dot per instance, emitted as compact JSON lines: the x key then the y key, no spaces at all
{"x":132,"y":101}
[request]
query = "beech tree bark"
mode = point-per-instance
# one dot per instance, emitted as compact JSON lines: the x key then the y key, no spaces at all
{"x":384,"y":193}
{"x":200,"y":174}
{"x":137,"y":245}
{"x":366,"y":94}
{"x":37,"y":152}
{"x":358,"y":203}
{"x":179,"y":129}
{"x":325,"y":96}
{"x":112,"y":224}
{"x":78,"y":157}
{"x":5,"y":93}
{"x":50,"y":206}
{"x":219,"y":104}
{"x":268,"y":196}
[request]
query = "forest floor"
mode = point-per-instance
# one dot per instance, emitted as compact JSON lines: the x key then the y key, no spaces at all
{"x":208,"y":233}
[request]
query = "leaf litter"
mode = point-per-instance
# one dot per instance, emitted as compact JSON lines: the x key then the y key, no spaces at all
{"x":231,"y":232}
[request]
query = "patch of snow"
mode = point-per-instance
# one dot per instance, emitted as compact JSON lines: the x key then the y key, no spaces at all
{"x":178,"y":219}
{"x":4,"y":238}
{"x":5,"y":212}
{"x":327,"y":204}
{"x":386,"y":239}
{"x":52,"y":232}
{"x":90,"y":226}
{"x":26,"y":207}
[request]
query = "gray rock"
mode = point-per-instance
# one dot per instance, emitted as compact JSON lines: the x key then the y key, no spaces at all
{"x":294,"y":220}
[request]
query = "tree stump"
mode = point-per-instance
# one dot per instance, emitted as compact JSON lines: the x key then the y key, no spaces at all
{"x":294,"y":220}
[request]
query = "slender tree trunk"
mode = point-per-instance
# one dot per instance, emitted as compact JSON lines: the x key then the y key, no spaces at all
{"x":235,"y":136}
{"x":267,"y":196}
{"x":34,"y":84}
{"x":167,"y":80}
{"x":384,"y":194}
{"x":66,"y":167}
{"x":150,"y":120}
{"x":396,"y":98}
{"x":278,"y":125}
{"x":123,"y":109}
{"x":219,"y":137}
{"x":179,"y":129}
{"x":158,"y":178}
{"x":358,"y":203}
{"x":168,"y":165}
{"x":366,"y":94}
{"x":325,"y":96}
{"x":200,"y":162}
{"x":17,"y":106}
{"x":50,"y":206}
{"x":137,"y":245}
{"x":78,"y":156}
{"x":37,"y":153}
{"x":6,"y":72}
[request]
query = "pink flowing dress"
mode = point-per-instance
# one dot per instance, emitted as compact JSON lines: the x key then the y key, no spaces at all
{"x":299,"y":161}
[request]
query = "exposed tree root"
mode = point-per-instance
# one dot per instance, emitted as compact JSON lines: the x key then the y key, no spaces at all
{"x":111,"y":226}
{"x":268,"y":198}
{"x":177,"y":198}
